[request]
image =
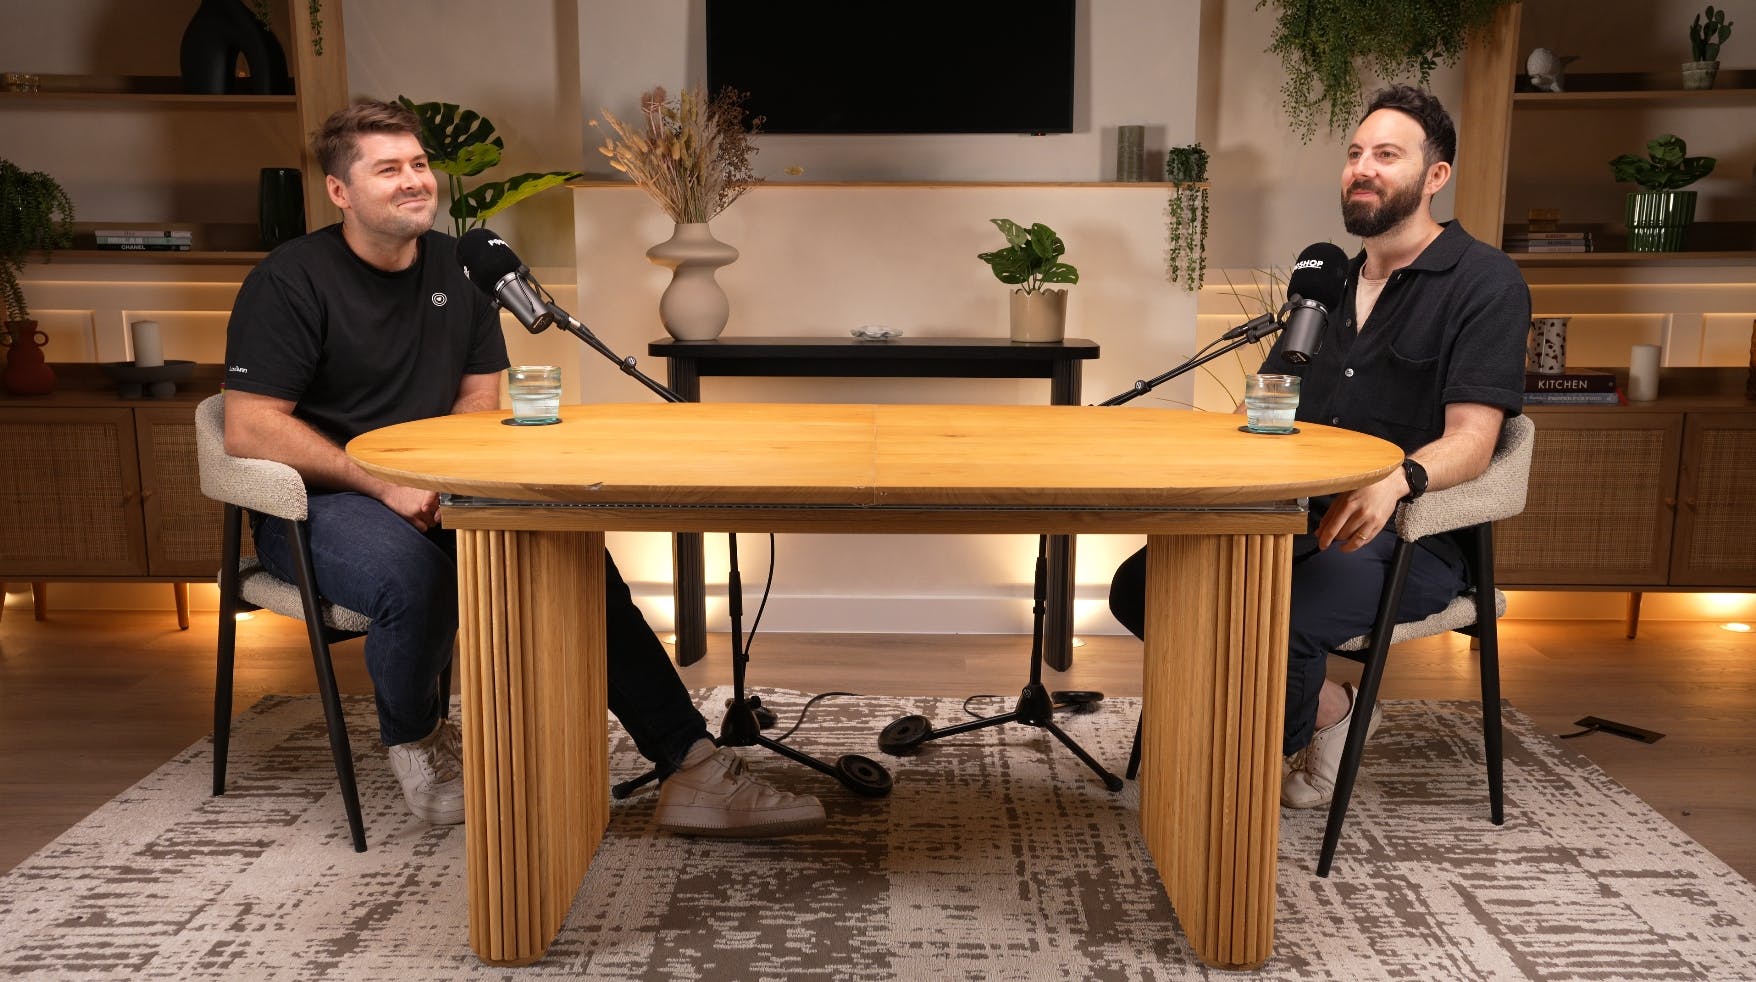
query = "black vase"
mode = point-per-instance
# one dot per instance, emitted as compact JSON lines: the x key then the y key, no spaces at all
{"x":221,"y":32}
{"x":280,"y":201}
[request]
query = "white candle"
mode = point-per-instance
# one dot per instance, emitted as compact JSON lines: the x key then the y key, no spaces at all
{"x":1643,"y":372}
{"x":149,"y":351}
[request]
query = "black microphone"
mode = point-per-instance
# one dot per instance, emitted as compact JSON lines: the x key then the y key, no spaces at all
{"x":1316,"y":286}
{"x":495,"y":270}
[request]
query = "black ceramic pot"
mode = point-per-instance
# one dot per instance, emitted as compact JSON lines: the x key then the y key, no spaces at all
{"x":221,"y":32}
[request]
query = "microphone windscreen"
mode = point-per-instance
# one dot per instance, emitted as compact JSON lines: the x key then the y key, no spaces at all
{"x":1320,"y":274}
{"x":486,"y":258}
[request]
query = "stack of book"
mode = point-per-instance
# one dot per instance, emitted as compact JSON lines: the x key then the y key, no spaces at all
{"x":1528,"y":241}
{"x":1576,"y":386}
{"x":169,"y":239}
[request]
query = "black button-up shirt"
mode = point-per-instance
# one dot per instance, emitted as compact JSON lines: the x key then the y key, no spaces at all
{"x":1448,"y":327}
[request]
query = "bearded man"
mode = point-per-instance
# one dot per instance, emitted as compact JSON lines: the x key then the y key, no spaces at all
{"x":1425,"y":350}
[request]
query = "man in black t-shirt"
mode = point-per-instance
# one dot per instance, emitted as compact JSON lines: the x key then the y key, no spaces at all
{"x":1426,"y":350}
{"x":372,"y":322}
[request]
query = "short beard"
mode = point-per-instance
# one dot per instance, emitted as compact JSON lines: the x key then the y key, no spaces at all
{"x":1362,"y":219}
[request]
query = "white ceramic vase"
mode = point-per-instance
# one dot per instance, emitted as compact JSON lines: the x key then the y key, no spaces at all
{"x":1039,"y":316}
{"x":694,"y":307}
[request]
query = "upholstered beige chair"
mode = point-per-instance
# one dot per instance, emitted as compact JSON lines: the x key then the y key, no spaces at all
{"x":276,"y":492}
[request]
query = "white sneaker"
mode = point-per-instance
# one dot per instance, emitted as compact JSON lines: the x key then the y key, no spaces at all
{"x":1311,"y":782}
{"x":713,"y":794}
{"x":431,"y":773}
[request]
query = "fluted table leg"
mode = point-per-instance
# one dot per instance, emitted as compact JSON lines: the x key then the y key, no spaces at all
{"x":1215,"y":691}
{"x":536,"y":753}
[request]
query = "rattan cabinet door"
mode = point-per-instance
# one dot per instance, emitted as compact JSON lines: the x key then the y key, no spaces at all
{"x":1602,"y":495}
{"x":182,"y":524}
{"x":69,"y":494}
{"x":1716,"y":503}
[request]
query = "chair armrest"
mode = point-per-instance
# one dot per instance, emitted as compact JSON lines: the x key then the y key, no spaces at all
{"x":1496,"y":493}
{"x":265,"y":486}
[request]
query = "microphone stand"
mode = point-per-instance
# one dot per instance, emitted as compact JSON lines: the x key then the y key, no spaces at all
{"x":1037,"y":705}
{"x":742,"y":724}
{"x":1249,"y":332}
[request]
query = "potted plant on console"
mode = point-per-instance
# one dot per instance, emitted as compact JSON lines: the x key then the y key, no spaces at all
{"x":1032,"y":257}
{"x":35,"y":216}
{"x":1659,"y":213}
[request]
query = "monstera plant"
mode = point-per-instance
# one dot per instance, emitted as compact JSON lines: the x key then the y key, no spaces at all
{"x":460,"y":143}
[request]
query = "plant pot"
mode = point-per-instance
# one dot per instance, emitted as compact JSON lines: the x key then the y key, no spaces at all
{"x":1657,"y":220}
{"x":27,"y":373}
{"x":1039,"y":316}
{"x":1699,"y":74}
{"x":694,"y":307}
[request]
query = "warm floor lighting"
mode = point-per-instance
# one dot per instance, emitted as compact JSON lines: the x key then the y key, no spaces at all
{"x":670,"y":639}
{"x":1078,"y":642}
{"x":243,"y":615}
{"x":1737,"y":626}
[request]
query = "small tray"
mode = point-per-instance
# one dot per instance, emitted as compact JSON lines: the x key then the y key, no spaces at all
{"x":875,"y":332}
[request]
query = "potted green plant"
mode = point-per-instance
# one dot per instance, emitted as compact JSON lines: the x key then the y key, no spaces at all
{"x":35,"y":216}
{"x":1659,"y":214}
{"x":461,"y":143}
{"x":1032,"y":258}
{"x":1705,"y":37}
{"x":1186,"y":217}
{"x":1324,"y":46}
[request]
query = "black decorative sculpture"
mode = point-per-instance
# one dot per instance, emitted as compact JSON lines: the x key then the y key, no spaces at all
{"x":221,"y":32}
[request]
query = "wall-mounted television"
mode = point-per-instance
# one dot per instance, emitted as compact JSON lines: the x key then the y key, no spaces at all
{"x":897,"y":66}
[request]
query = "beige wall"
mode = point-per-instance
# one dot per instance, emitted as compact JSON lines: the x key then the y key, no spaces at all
{"x":1193,"y":69}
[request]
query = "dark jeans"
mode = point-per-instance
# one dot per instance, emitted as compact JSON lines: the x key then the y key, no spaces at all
{"x":1334,"y":598}
{"x":370,"y":560}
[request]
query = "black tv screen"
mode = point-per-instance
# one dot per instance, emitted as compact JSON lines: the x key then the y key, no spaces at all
{"x":902,"y":66}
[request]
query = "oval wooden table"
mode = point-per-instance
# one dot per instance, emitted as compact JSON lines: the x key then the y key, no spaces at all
{"x":1218,"y":507}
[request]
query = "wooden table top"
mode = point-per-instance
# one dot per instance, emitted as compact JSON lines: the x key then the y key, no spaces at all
{"x":873,"y":456}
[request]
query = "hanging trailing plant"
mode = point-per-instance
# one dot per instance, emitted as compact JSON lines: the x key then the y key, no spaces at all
{"x":1186,"y":217}
{"x":1324,"y":44}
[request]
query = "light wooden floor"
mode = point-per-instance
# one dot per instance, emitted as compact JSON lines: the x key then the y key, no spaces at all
{"x":91,"y":702}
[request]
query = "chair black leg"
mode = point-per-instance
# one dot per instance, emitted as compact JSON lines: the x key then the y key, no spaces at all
{"x":1134,"y":754}
{"x":228,"y":644}
{"x":1364,"y":700}
{"x":326,"y":687}
{"x":1488,"y":634}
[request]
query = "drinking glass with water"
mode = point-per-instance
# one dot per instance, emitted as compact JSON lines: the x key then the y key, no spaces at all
{"x":1270,"y":403}
{"x":536,"y":394}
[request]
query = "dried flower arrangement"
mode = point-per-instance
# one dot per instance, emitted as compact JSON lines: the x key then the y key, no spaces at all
{"x":693,"y":154}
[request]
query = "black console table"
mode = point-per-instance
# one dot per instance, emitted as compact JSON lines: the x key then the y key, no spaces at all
{"x":819,"y":357}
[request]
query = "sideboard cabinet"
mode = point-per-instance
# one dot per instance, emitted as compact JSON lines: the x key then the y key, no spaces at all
{"x":93,"y":487}
{"x":1642,"y":497}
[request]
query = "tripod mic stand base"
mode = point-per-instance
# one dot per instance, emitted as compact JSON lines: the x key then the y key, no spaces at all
{"x":1036,"y":707}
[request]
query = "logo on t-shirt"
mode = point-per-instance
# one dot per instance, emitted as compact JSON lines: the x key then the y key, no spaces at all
{"x":438,"y":299}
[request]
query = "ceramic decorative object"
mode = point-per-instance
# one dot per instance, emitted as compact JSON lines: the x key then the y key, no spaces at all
{"x":1699,"y":74}
{"x":1131,"y":153}
{"x":694,"y":307}
{"x":1547,"y":351}
{"x":220,"y":33}
{"x":1547,"y":70}
{"x":280,"y":205}
{"x":27,"y":373}
{"x":1040,"y":316}
{"x":1658,"y":220}
{"x":147,"y":381}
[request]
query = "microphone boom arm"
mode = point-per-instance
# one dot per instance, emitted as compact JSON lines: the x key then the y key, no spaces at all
{"x":627,"y":365}
{"x":572,"y":326}
{"x":1249,"y":332}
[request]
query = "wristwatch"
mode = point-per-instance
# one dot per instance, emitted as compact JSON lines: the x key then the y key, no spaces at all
{"x":1416,"y":475}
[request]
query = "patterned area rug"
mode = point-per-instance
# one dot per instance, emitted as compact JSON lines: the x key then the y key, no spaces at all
{"x":998,"y":856}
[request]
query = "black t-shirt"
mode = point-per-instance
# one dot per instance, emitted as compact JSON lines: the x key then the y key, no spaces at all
{"x":355,"y":347}
{"x":1448,"y":327}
